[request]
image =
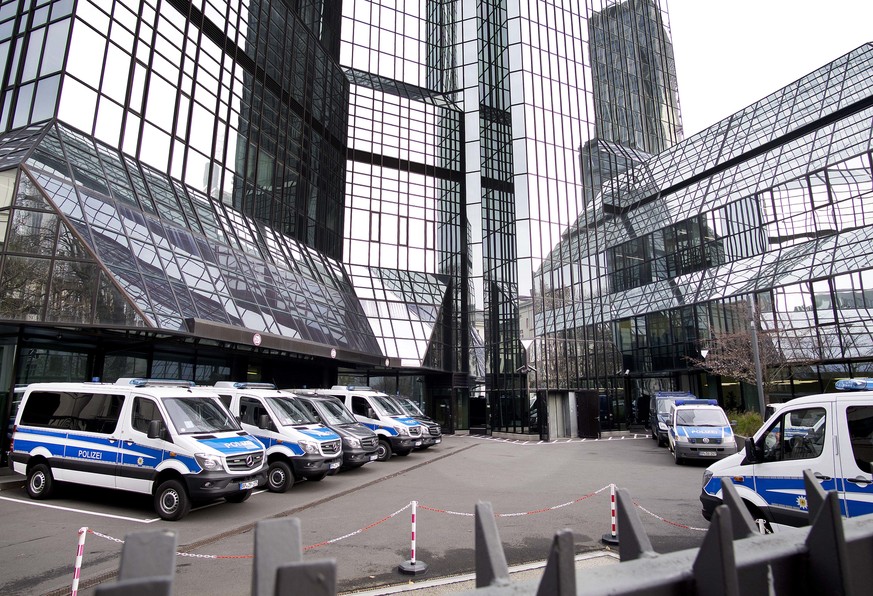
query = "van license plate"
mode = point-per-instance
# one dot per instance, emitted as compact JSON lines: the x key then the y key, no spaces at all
{"x":334,"y":465}
{"x":418,"y":443}
{"x":708,"y":454}
{"x":374,"y":457}
{"x":437,"y":441}
{"x":248,"y":485}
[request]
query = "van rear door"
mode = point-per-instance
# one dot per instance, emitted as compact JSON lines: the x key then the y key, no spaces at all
{"x":856,"y":457}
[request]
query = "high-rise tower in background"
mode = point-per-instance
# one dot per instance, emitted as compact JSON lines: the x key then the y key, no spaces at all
{"x":466,"y":123}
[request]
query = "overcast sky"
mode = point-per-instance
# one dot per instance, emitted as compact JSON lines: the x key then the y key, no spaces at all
{"x":731,"y":53}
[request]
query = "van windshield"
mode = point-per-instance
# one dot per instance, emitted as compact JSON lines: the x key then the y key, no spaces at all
{"x":664,"y":405}
{"x":700,"y":417}
{"x":289,"y":411}
{"x":192,"y":415}
{"x":409,"y":406}
{"x":386,"y":406}
{"x":335,"y":413}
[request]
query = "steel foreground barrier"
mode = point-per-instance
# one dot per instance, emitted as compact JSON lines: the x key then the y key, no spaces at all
{"x":833,"y":556}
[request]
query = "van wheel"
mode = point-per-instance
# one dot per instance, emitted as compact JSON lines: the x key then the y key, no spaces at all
{"x":279,"y":477}
{"x":239,"y":497}
{"x":40,"y":482}
{"x":171,"y":500}
{"x":383,"y":451}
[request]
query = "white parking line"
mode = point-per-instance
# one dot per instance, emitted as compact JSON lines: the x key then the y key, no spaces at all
{"x":122,"y":517}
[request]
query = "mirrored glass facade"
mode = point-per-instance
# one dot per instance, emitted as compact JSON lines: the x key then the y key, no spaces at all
{"x":242,"y":101}
{"x":770,"y":204}
{"x":489,"y":201}
{"x":172,"y":181}
{"x":505,"y":97}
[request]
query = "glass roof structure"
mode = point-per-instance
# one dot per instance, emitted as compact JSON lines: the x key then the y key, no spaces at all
{"x":95,"y":238}
{"x":818,"y":121}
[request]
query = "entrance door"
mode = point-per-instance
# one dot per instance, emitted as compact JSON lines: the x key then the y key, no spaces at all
{"x":442,"y":410}
{"x":478,"y":415}
{"x":559,"y":416}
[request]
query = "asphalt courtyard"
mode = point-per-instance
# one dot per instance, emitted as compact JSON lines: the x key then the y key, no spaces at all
{"x":362,"y":518}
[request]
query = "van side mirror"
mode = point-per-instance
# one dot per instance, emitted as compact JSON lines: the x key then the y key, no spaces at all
{"x":751,"y":452}
{"x":156,"y":430}
{"x":264,"y":422}
{"x":371,"y":413}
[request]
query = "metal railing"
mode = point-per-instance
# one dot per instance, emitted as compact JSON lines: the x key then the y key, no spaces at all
{"x":832,"y":556}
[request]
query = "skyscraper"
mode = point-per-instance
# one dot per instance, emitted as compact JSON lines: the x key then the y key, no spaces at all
{"x":502,"y":95}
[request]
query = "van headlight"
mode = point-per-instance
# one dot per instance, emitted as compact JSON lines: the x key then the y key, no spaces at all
{"x":208,"y":462}
{"x":309,"y":447}
{"x":707,"y":476}
{"x":402,"y":430}
{"x":681,"y":439}
{"x":352,"y":443}
{"x":662,"y":426}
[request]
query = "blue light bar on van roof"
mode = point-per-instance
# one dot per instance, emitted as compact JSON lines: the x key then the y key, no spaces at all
{"x":243,"y":385}
{"x":854,"y":384}
{"x":685,"y":394}
{"x":154,"y":382}
{"x":696,"y":402}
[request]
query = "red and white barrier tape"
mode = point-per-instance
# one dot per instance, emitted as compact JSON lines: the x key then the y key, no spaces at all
{"x":362,"y":530}
{"x":554,"y":507}
{"x":667,"y":521}
{"x":414,"y":505}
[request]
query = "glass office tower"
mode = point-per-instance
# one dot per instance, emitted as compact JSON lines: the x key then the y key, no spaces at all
{"x":171,"y":192}
{"x":484,"y":107}
{"x":240,"y":100}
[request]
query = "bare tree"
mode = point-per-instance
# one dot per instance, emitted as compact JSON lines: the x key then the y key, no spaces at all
{"x":730,"y":351}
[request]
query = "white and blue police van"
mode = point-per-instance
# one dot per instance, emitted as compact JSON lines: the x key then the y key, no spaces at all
{"x":298,"y":446}
{"x":432,"y":433}
{"x":660,"y":405}
{"x":830,"y":434}
{"x":398,"y":432}
{"x":160,"y":437}
{"x":359,"y":442}
{"x":699,"y":430}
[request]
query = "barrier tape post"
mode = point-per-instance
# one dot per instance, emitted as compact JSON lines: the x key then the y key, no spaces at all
{"x":612,"y":537}
{"x":413,"y":567}
{"x":77,"y":568}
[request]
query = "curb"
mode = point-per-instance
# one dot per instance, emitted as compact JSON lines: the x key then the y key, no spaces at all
{"x":456,"y":584}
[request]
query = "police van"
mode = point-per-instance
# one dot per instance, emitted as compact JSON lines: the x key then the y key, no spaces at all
{"x":359,"y":442}
{"x":830,"y":434}
{"x":699,"y":430}
{"x":660,"y":405}
{"x":432,"y":434}
{"x":398,"y":433}
{"x":159,"y":437}
{"x":298,"y":446}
